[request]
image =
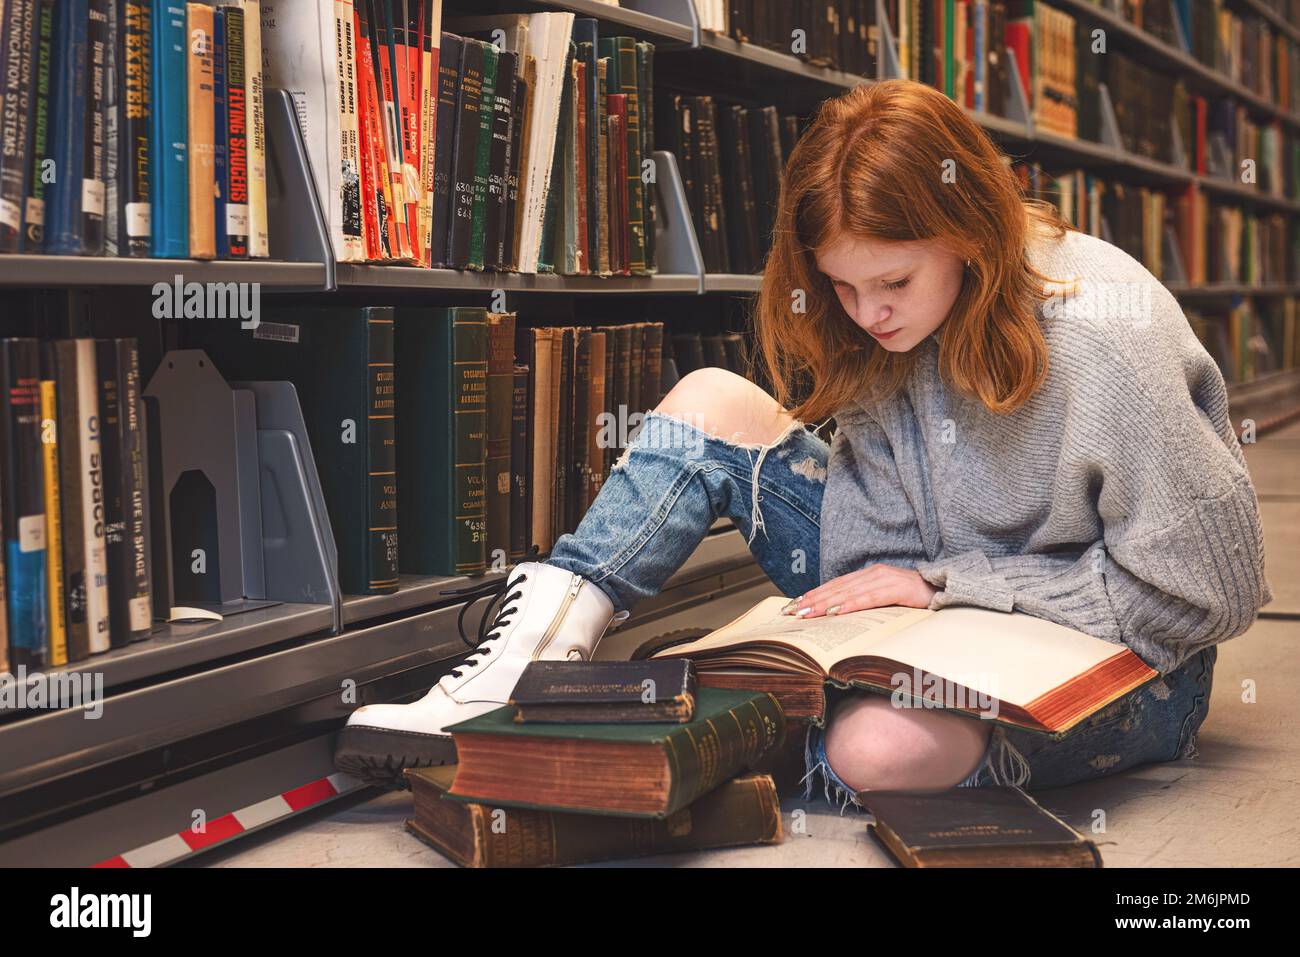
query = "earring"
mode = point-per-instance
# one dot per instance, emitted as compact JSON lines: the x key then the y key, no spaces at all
{"x":968,"y":264}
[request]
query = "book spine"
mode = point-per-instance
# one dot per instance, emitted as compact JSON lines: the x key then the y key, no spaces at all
{"x":381,"y":43}
{"x":169,"y":149}
{"x":94,"y":194}
{"x":430,"y":81}
{"x":483,"y":160}
{"x":407,"y":13}
{"x":448,"y":81}
{"x":63,"y":234}
{"x":37,"y":171}
{"x":234,"y":228}
{"x":16,"y":88}
{"x":135,"y":210}
{"x":519,"y":464}
{"x":220,"y":135}
{"x":518,"y":152}
{"x":202,"y":132}
{"x":382,"y":463}
{"x":23,"y":502}
{"x":58,"y":634}
{"x":464,"y":153}
{"x":499,"y":161}
{"x":700,"y":761}
{"x":372,"y":201}
{"x":81,"y":473}
{"x":259,"y":229}
{"x":500,"y":409}
{"x":602,"y":263}
{"x":112,"y":119}
{"x":626,"y":53}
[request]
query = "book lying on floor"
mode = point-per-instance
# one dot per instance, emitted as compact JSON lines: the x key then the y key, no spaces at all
{"x":975,"y":827}
{"x":1014,"y":668}
{"x":744,"y":810}
{"x":646,"y":770}
{"x":605,"y":691}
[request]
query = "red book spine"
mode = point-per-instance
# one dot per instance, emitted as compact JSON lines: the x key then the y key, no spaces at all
{"x":410,"y":105}
{"x":365,"y":116}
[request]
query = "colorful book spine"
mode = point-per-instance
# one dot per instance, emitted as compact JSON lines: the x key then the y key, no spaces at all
{"x":68,"y":67}
{"x":135,"y":215}
{"x":17,"y":23}
{"x":38,"y":170}
{"x":95,"y":145}
{"x":259,"y":229}
{"x":220,"y":135}
{"x":234,"y":185}
{"x":202,"y":131}
{"x":57,"y":618}
{"x":23,"y":518}
{"x":169,"y":148}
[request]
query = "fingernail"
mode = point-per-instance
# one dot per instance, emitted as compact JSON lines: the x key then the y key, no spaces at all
{"x":785,"y":609}
{"x":833,"y":610}
{"x":803,"y":611}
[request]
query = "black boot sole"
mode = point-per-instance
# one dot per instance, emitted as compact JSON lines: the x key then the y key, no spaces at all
{"x":378,"y":756}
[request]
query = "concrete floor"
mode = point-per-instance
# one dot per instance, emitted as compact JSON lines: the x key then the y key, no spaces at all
{"x":1233,"y":805}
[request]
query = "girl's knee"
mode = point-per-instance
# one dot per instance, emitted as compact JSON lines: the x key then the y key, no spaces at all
{"x":725,"y":404}
{"x":872,"y":745}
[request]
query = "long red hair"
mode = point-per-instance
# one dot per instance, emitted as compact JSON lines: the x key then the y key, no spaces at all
{"x":898,"y":161}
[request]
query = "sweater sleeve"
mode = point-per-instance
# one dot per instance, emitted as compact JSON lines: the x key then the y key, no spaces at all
{"x":866,"y":514}
{"x":1180,"y":564}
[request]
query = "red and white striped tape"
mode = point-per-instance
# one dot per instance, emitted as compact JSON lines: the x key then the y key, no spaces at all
{"x":174,"y":847}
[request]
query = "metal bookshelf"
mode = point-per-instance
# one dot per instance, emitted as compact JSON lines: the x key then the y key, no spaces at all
{"x":218,"y":717}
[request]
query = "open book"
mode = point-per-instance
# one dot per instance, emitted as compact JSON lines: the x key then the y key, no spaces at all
{"x":1011,"y":668}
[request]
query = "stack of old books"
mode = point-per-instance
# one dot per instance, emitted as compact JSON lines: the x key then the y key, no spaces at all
{"x":604,"y":760}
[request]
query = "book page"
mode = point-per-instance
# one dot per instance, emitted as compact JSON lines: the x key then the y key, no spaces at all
{"x":827,"y":640}
{"x":1012,"y":657}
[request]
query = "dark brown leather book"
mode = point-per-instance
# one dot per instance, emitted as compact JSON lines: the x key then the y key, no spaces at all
{"x":975,"y":827}
{"x":652,"y":346}
{"x":688,"y":350}
{"x":635,"y":367}
{"x":564,"y":430}
{"x":622,"y":379}
{"x":611,"y":449}
{"x":597,"y":404}
{"x":520,"y":463}
{"x":580,"y":444}
{"x":744,"y":810}
{"x":500,"y":409}
{"x":638,"y":770}
{"x":605,"y":691}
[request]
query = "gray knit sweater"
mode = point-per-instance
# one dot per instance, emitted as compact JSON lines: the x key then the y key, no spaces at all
{"x":1115,"y":501}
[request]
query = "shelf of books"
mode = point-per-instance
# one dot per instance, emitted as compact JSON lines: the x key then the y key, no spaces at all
{"x":290,"y":281}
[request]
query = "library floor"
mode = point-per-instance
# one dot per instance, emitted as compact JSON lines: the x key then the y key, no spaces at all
{"x":1234,"y":805}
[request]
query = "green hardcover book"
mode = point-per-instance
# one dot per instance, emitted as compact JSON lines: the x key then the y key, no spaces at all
{"x":622,"y":54}
{"x":635,"y":770}
{"x":645,"y":58}
{"x":483,"y":158}
{"x":570,"y":261}
{"x":949,"y":48}
{"x":547,"y":255}
{"x":442,"y":439}
{"x":340,"y":360}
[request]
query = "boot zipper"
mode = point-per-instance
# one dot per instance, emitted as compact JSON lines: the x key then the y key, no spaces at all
{"x":554,"y":626}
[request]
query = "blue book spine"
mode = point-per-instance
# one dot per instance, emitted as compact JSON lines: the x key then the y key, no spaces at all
{"x":63,"y":229}
{"x":220,"y":138}
{"x":169,"y":182}
{"x":25,"y":570}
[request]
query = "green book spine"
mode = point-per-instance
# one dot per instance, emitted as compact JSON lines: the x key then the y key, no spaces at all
{"x":483,"y":158}
{"x":949,"y":51}
{"x":546,"y":255}
{"x":442,"y":439}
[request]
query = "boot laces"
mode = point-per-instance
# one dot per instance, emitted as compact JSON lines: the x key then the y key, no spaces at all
{"x":493,"y":591}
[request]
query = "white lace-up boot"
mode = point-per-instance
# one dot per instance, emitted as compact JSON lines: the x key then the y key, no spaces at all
{"x":546,"y":614}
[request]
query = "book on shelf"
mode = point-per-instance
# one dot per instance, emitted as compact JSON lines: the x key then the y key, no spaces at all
{"x":1010,"y":668}
{"x":635,"y":770}
{"x":744,"y":810}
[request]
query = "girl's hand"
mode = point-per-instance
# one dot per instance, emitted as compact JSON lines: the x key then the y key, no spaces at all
{"x":871,"y":587}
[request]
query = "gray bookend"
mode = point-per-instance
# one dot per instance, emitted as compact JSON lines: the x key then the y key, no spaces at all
{"x":298,"y":228}
{"x":676,"y":246}
{"x":1017,"y":96}
{"x":887,"y":63}
{"x":1110,"y":135}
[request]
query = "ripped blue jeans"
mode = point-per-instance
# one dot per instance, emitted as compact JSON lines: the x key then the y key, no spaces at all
{"x":675,"y":479}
